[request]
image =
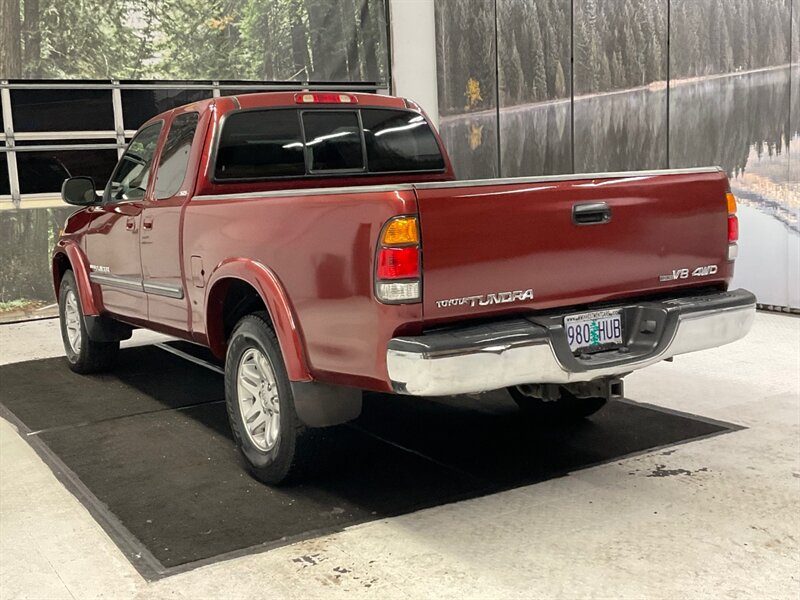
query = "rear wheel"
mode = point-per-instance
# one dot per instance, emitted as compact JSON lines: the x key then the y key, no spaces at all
{"x":83,"y":354}
{"x":270,"y":437}
{"x":567,"y":408}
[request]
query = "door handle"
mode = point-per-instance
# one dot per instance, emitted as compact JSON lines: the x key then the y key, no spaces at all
{"x":591,"y":213}
{"x":130,"y":224}
{"x":147,"y":223}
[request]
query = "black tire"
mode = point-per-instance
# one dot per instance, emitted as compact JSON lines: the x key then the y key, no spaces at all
{"x":84,"y":355}
{"x":283,"y":461}
{"x":566,"y":409}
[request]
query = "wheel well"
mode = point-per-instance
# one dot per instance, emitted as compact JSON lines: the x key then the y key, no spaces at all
{"x":229,"y":300}
{"x":61,"y":265}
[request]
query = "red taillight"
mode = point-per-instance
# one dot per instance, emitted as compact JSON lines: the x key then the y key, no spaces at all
{"x":325,"y":98}
{"x":398,"y":272}
{"x":398,"y":263}
{"x":733,"y":228}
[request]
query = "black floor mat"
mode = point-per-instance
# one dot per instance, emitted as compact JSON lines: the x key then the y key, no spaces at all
{"x":148,"y":449}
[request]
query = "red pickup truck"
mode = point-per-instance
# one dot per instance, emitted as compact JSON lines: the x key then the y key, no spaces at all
{"x":320,"y":245}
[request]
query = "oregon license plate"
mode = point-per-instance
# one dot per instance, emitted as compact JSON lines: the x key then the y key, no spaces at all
{"x":594,"y":331}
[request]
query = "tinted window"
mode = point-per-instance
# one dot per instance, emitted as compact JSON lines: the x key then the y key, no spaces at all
{"x":175,"y":155}
{"x":260,"y":144}
{"x":333,"y":140}
{"x":132,"y":174}
{"x":399,"y":141}
{"x":62,"y":110}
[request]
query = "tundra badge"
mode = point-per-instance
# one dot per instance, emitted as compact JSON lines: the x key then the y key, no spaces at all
{"x":487,"y":299}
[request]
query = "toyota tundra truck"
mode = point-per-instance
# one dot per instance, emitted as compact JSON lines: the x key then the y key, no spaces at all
{"x":319,"y":245}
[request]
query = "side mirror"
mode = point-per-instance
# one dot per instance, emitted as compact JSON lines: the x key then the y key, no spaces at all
{"x":79,"y":191}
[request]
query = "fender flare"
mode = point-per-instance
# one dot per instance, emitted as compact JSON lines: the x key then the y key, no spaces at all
{"x":80,"y":268}
{"x":275,"y":298}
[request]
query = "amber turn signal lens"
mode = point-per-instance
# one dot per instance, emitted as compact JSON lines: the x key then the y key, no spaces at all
{"x":731,"y":203}
{"x":402,"y":230}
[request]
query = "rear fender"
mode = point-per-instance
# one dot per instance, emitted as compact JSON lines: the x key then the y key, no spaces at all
{"x":274,"y":296}
{"x":80,"y":268}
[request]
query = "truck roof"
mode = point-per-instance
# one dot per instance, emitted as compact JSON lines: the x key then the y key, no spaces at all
{"x":275,"y":99}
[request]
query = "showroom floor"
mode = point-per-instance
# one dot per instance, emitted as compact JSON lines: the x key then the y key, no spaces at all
{"x":715,"y":517}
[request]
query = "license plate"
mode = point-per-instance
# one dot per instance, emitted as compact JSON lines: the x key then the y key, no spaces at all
{"x":594,"y":331}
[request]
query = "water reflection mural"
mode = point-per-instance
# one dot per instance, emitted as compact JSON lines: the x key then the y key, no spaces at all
{"x":732,"y":99}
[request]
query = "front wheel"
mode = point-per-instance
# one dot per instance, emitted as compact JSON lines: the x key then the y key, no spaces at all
{"x":567,"y":408}
{"x":84,"y":355}
{"x":258,"y":395}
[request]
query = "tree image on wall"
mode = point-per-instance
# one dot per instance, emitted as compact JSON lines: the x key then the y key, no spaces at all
{"x":263,"y":40}
{"x":618,"y":44}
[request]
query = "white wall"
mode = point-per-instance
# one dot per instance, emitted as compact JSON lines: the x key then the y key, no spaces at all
{"x":413,"y":57}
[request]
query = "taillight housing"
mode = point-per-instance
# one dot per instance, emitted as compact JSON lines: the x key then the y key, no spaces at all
{"x":398,"y":264}
{"x":733,"y":227}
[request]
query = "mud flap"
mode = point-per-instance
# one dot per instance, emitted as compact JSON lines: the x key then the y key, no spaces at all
{"x":103,"y":329}
{"x":323,"y":405}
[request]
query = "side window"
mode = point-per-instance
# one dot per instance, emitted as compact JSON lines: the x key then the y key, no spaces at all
{"x":130,"y":178}
{"x":333,"y":140}
{"x":260,"y":144}
{"x":175,"y":155}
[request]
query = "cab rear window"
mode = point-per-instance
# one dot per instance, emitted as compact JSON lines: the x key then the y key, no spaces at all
{"x":400,"y":141}
{"x":281,"y":143}
{"x":260,"y":145}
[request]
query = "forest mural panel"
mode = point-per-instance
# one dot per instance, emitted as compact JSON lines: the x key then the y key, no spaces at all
{"x":534,"y":80}
{"x":264,"y":40}
{"x":721,"y":92}
{"x":466,"y":64}
{"x":732,"y":93}
{"x":620,"y":85}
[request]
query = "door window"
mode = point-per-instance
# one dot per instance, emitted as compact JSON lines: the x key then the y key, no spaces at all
{"x":130,"y":178}
{"x":175,"y":155}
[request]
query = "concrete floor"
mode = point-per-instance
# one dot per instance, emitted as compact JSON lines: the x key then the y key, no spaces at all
{"x":725,"y":524}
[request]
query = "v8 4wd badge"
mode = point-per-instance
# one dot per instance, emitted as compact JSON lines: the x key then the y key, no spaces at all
{"x":703,"y":271}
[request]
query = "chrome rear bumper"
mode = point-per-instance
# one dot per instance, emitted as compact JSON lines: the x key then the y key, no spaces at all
{"x":535,"y":349}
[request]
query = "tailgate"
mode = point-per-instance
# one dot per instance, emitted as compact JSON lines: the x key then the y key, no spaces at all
{"x":485,"y":244}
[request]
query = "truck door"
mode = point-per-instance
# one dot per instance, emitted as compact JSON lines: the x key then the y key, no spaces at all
{"x":112,"y":243}
{"x":161,"y":225}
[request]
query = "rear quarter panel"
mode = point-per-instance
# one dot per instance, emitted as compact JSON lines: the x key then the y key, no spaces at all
{"x":321,"y":247}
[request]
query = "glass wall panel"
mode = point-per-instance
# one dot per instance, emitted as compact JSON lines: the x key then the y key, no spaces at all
{"x":26,"y":238}
{"x":5,"y":183}
{"x":140,"y":105}
{"x":44,"y":172}
{"x":467,"y":83}
{"x":62,"y":109}
{"x":620,"y":84}
{"x":533,"y":45}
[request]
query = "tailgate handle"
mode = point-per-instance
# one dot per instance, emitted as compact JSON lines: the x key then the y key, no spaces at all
{"x":591,"y":213}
